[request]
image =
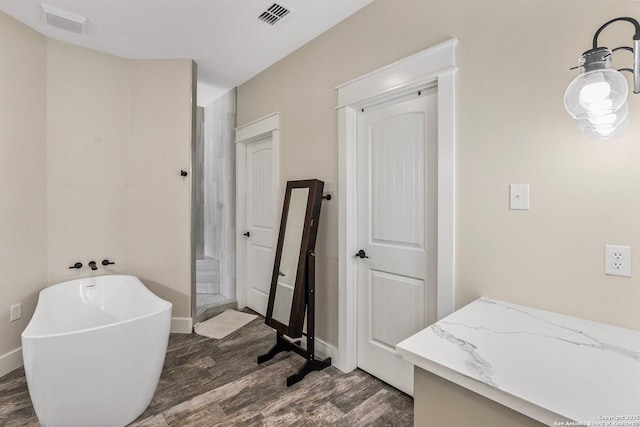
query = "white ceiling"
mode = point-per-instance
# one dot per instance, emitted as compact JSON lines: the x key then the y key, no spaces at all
{"x":224,"y":37}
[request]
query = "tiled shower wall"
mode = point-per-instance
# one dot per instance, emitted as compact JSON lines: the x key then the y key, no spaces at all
{"x":220,"y":188}
{"x":198,"y":183}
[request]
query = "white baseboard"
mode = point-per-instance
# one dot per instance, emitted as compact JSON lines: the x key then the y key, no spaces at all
{"x":325,"y":350}
{"x":181,"y":325}
{"x":11,"y":361}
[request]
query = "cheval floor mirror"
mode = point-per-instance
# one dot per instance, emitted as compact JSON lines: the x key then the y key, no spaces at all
{"x":292,"y":292}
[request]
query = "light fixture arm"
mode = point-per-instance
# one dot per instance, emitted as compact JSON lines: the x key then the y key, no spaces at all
{"x":635,"y":49}
{"x":629,"y":49}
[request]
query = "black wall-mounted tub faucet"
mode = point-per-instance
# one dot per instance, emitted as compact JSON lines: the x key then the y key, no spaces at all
{"x":107,"y":262}
{"x":93,"y":265}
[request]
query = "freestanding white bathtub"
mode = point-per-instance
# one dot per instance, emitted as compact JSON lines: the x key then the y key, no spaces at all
{"x":93,"y":351}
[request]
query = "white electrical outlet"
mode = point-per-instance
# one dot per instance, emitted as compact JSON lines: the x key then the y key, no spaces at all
{"x":15,"y":312}
{"x":617,"y":260}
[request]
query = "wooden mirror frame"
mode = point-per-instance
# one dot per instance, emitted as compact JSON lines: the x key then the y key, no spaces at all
{"x":309,"y":234}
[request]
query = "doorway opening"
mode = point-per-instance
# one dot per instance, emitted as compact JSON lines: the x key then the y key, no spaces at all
{"x":215,"y":208}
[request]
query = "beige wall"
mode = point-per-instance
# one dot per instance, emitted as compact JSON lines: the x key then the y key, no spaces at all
{"x":159,"y":209}
{"x":87,"y":140}
{"x":23,"y":267}
{"x":118,"y":133}
{"x":91,"y":148}
{"x":514,"y":59}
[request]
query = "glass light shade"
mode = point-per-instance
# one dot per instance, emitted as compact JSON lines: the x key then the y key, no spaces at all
{"x":605,"y":121}
{"x":608,"y":132}
{"x":597,"y":98}
{"x":596,"y":93}
{"x":606,"y":126}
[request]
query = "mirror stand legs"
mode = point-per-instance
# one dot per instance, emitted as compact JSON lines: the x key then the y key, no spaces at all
{"x":309,"y":366}
{"x":281,"y":345}
{"x":312,"y":364}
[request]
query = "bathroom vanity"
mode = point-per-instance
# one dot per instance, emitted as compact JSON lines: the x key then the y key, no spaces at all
{"x":492,"y":363}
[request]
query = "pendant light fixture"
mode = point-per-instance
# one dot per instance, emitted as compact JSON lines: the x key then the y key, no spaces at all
{"x":597,"y":98}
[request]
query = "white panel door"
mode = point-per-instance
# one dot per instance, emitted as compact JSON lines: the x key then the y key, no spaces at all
{"x":396,"y":217}
{"x":260,"y":234}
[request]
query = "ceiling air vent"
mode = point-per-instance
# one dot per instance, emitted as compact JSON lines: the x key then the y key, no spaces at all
{"x":64,"y":19}
{"x":275,"y":13}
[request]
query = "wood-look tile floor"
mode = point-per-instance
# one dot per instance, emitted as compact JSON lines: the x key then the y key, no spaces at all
{"x":207,"y":382}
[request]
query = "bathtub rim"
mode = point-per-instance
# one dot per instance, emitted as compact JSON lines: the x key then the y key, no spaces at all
{"x":168,"y":306}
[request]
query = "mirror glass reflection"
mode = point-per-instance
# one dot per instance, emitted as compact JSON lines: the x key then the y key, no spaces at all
{"x":290,"y":255}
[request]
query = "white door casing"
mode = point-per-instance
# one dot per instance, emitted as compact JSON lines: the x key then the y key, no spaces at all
{"x":257,"y":180}
{"x":396,"y":217}
{"x":433,"y":66}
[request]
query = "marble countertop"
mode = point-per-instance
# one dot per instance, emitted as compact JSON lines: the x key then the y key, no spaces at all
{"x":548,"y":366}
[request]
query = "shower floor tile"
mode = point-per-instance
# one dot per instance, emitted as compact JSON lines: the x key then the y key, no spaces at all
{"x":210,"y":299}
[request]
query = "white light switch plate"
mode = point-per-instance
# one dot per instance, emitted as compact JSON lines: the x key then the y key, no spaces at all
{"x":519,"y":197}
{"x":617,"y":260}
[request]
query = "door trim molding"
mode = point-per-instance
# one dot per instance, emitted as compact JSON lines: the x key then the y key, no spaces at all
{"x":433,"y":65}
{"x":268,"y":125}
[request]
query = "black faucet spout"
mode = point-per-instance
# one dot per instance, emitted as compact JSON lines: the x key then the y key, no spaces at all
{"x":93,"y":265}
